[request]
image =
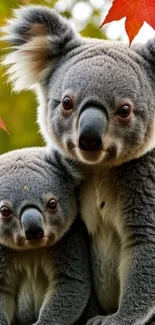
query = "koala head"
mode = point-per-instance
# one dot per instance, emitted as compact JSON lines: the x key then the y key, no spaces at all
{"x":37,"y":198}
{"x":96,"y":98}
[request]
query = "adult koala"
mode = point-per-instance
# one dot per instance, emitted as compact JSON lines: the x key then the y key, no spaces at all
{"x":97,"y":104}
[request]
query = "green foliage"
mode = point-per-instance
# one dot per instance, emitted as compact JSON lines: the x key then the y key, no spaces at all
{"x":19,"y":110}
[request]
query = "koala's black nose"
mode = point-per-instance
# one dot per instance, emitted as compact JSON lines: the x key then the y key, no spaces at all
{"x":89,"y":142}
{"x":36,"y":233}
{"x":32,"y":224}
{"x":92,"y":123}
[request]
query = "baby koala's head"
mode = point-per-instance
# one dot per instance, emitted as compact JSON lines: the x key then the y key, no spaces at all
{"x":37,"y":198}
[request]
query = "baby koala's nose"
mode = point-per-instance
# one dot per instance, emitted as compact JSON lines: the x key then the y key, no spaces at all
{"x":31,"y":219}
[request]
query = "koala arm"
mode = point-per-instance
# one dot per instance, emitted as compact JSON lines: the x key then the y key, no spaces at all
{"x":73,"y":290}
{"x":7,"y":308}
{"x":136,"y":183}
{"x":137,"y":303}
{"x":7,"y":304}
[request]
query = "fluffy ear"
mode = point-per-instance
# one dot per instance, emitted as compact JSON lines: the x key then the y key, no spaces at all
{"x":38,"y":36}
{"x":146,"y":51}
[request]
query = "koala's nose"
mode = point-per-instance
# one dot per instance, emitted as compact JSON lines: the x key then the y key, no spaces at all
{"x":92,"y":124}
{"x":89,"y":142}
{"x":32,"y":224}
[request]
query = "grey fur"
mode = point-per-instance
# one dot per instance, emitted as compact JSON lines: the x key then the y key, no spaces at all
{"x":43,"y":281}
{"x":118,"y":199}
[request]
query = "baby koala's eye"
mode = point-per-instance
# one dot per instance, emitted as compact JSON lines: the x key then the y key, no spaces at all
{"x":5,"y":211}
{"x":52,"y":205}
{"x":124,"y":111}
{"x":67,"y":103}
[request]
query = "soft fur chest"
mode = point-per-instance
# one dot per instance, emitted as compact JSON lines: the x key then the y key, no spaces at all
{"x":101,"y":213}
{"x":100,"y":204}
{"x":108,"y":201}
{"x":29,"y":278}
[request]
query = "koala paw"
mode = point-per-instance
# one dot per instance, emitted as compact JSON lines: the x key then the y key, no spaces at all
{"x":104,"y":320}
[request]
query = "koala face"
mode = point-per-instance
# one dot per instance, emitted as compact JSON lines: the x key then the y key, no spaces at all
{"x":105,"y":111}
{"x":37,"y":199}
{"x":97,"y":98}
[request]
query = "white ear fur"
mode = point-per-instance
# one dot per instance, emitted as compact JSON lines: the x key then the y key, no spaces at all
{"x":29,"y":63}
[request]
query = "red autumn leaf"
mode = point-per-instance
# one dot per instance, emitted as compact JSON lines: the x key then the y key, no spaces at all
{"x":3,"y":126}
{"x":135,"y":11}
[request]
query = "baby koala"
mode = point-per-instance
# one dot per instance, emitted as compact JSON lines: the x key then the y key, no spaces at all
{"x":45,"y":277}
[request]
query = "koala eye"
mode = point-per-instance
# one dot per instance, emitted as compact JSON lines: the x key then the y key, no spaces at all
{"x":52,"y":205}
{"x":67,"y":103}
{"x":124,"y":111}
{"x":5,"y":211}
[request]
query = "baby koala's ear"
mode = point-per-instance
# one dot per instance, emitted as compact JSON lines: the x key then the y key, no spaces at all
{"x":38,"y":36}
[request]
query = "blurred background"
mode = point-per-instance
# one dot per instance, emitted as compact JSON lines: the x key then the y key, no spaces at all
{"x":19,"y":110}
